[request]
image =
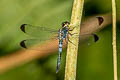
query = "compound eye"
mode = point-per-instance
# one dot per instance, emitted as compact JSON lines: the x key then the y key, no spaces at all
{"x":63,"y":24}
{"x":68,"y":23}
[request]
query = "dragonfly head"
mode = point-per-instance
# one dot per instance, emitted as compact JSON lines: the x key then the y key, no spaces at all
{"x":65,"y":24}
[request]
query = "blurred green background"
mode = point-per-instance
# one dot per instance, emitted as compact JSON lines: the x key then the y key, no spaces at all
{"x":94,"y":60}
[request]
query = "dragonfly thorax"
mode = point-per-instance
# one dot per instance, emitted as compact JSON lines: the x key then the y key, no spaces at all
{"x":60,"y":34}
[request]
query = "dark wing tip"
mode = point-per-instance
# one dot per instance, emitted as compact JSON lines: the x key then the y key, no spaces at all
{"x":22,"y":27}
{"x":22,"y":44}
{"x":96,"y":38}
{"x":100,"y":19}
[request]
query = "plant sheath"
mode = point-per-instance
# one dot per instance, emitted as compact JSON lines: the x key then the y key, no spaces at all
{"x":114,"y":39}
{"x":72,"y":48}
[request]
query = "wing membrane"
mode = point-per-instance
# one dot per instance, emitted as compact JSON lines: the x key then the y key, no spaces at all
{"x":37,"y":31}
{"x":36,"y":44}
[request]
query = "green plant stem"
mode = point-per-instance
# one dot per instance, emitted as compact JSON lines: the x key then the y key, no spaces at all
{"x":72,"y":48}
{"x":114,"y":39}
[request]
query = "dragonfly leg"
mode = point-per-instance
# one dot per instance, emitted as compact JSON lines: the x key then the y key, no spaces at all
{"x":71,"y":34}
{"x":70,"y":41}
{"x":66,"y":40}
{"x":72,"y":29}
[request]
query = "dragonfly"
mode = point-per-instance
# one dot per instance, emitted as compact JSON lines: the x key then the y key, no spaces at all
{"x":62,"y":34}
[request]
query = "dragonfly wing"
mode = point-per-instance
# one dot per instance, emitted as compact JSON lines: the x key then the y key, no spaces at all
{"x":29,"y":43}
{"x":37,"y":31}
{"x":85,"y":36}
{"x":35,"y":44}
{"x":90,"y":38}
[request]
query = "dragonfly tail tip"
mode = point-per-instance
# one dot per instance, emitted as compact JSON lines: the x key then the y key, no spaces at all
{"x":57,"y":68}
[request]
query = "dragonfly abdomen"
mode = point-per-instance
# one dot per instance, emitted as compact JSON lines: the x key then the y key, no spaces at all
{"x":58,"y":62}
{"x":59,"y":55}
{"x":60,"y":47}
{"x":62,"y":33}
